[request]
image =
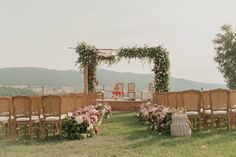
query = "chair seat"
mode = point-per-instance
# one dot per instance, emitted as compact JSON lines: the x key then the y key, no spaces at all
{"x":4,"y":120}
{"x":208,"y":112}
{"x":192,"y":113}
{"x":25,"y":119}
{"x":55,"y":118}
{"x":233,"y":111}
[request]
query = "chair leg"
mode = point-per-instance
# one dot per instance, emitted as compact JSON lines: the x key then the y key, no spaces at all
{"x":228,"y":123}
{"x":38,"y":129}
{"x":17,"y":131}
{"x":25,"y":130}
{"x":30,"y":130}
{"x":60,"y":131}
{"x":6,"y":129}
{"x":212,"y":123}
{"x":198,"y":124}
{"x":54,"y":129}
{"x":44,"y":130}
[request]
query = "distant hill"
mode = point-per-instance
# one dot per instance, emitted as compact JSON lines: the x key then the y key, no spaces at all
{"x":39,"y":76}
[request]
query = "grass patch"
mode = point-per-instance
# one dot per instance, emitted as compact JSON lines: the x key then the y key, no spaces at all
{"x":123,"y":136}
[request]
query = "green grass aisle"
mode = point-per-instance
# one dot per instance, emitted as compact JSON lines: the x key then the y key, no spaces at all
{"x":123,"y":136}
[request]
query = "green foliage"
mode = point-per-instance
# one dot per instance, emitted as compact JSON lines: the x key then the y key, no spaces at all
{"x":157,"y":55}
{"x":88,"y":56}
{"x":225,"y":46}
{"x":70,"y":129}
{"x":9,"y":91}
{"x":73,"y":131}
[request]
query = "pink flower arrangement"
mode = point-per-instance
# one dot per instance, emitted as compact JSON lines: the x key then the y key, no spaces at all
{"x":158,"y":116}
{"x":87,"y":119}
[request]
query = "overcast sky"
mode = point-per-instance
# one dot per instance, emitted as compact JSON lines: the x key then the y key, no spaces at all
{"x":37,"y":33}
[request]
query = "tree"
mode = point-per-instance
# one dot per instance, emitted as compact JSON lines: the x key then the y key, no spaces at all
{"x":225,"y":46}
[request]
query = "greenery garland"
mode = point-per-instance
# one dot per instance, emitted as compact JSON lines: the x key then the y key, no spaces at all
{"x":88,"y":56}
{"x":159,"y":56}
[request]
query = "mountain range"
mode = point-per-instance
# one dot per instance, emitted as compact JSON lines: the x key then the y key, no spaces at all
{"x":32,"y":76}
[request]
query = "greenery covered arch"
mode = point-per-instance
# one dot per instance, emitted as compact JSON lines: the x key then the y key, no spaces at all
{"x":89,"y":55}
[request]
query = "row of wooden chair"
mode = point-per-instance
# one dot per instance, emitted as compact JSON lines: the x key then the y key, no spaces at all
{"x":39,"y":111}
{"x":214,"y":104}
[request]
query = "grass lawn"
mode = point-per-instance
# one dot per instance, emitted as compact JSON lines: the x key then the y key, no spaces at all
{"x":123,"y":136}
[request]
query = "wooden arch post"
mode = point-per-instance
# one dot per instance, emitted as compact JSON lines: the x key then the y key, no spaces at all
{"x":86,"y":78}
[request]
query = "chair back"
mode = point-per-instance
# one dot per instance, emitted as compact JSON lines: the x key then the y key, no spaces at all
{"x":22,"y":107}
{"x":232,"y":99}
{"x":120,"y":86}
{"x":91,"y":98}
{"x":150,"y":87}
{"x":65,"y":103}
{"x":79,"y":101}
{"x":131,"y":87}
{"x":5,"y":107}
{"x":51,"y":105}
{"x":162,"y":98}
{"x":192,"y":100}
{"x":179,"y":100}
{"x":171,"y":100}
{"x":206,"y":100}
{"x":219,"y":99}
{"x":36,"y":105}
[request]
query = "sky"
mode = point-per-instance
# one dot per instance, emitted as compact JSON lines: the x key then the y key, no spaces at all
{"x":38,"y":33}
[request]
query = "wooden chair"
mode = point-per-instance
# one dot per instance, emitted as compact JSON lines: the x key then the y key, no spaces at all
{"x":171,"y":100}
{"x":22,"y":112}
{"x":232,"y":103}
{"x":179,"y":100}
{"x":192,"y":105}
{"x":219,"y":105}
{"x":5,"y":114}
{"x":100,"y":95}
{"x":92,"y":98}
{"x":79,"y":100}
{"x":131,"y":90}
{"x":67,"y":104}
{"x":36,"y":107}
{"x":85,"y":100}
{"x":120,"y":88}
{"x":206,"y":107}
{"x":154,"y":98}
{"x":162,"y":98}
{"x":52,"y":114}
{"x":37,"y":111}
{"x":150,"y":92}
{"x":151,"y":89}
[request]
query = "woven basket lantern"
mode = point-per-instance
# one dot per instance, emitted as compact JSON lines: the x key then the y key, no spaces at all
{"x":180,"y":125}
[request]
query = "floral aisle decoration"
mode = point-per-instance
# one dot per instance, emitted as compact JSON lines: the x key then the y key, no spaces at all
{"x":83,"y":123}
{"x":157,"y":116}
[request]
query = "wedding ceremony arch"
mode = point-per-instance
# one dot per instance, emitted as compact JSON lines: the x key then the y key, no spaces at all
{"x":89,"y":57}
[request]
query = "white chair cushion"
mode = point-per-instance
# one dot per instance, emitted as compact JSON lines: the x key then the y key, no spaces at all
{"x":234,"y":110}
{"x":22,"y":119}
{"x":216,"y":112}
{"x":4,"y":119}
{"x":192,"y":113}
{"x":54,"y":118}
